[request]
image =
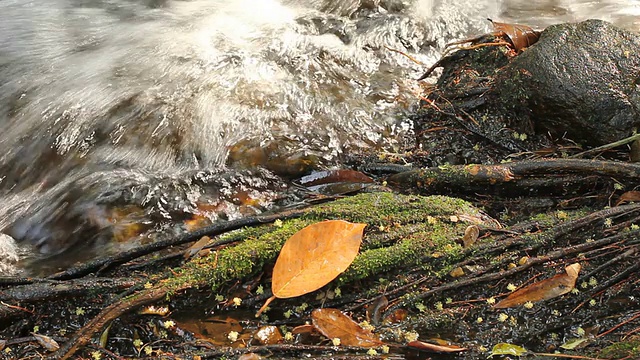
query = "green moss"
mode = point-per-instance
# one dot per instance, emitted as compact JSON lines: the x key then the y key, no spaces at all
{"x":629,"y":349}
{"x":403,"y":231}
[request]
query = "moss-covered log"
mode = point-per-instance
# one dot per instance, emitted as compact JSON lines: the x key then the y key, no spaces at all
{"x":411,"y":253}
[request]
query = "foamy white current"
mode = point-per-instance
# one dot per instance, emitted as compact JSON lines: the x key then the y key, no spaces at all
{"x":105,"y":100}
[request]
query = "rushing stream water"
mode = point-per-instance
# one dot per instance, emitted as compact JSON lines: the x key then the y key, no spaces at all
{"x":131,"y":114}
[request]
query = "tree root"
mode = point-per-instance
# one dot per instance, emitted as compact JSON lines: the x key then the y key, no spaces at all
{"x":216,"y":229}
{"x":472,"y":178}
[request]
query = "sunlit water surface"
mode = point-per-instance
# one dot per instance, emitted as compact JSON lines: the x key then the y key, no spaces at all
{"x":121,"y":117}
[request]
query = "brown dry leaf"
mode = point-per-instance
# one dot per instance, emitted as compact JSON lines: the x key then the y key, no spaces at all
{"x":471,"y":234}
{"x":397,"y":316}
{"x":543,"y":290}
{"x":374,"y":311}
{"x":268,"y":335}
{"x":213,"y":329}
{"x":46,"y":342}
{"x":303,"y":329}
{"x":416,"y":344}
{"x":196,"y":247}
{"x":629,"y":196}
{"x":314,"y":256}
{"x":332,"y":323}
{"x":521,"y":36}
{"x":249,"y":356}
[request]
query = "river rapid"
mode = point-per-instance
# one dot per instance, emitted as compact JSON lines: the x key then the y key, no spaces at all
{"x":121,"y":118}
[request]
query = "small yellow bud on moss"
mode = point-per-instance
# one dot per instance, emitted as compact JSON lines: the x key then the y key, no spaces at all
{"x":168,"y":324}
{"x":410,"y":335}
{"x":528,"y":305}
{"x":233,"y":336}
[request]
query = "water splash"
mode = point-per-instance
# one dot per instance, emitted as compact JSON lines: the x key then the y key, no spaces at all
{"x":120,"y":103}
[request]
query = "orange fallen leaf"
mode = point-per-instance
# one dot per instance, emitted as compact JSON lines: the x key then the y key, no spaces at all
{"x":314,"y":256}
{"x":629,"y":196}
{"x":196,"y":247}
{"x":543,"y":290}
{"x":396,"y":317}
{"x":332,"y":323}
{"x":521,"y":36}
{"x":303,"y":329}
{"x":420,"y":345}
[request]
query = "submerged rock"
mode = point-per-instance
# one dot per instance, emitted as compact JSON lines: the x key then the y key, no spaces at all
{"x":8,"y":255}
{"x":578,"y":82}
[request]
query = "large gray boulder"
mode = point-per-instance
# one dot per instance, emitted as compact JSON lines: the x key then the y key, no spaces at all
{"x":578,"y":79}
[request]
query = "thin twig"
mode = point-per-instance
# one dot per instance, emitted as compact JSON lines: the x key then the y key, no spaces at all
{"x":606,"y":146}
{"x":405,"y":55}
{"x":635,"y":316}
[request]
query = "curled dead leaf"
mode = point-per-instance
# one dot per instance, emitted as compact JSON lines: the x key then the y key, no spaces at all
{"x":420,"y":345}
{"x":520,"y":36}
{"x":196,"y":247}
{"x":471,"y":234}
{"x":332,"y":323}
{"x":46,"y":342}
{"x":629,"y":196}
{"x":543,"y":290}
{"x":398,"y":316}
{"x":374,"y":311}
{"x":303,"y":329}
